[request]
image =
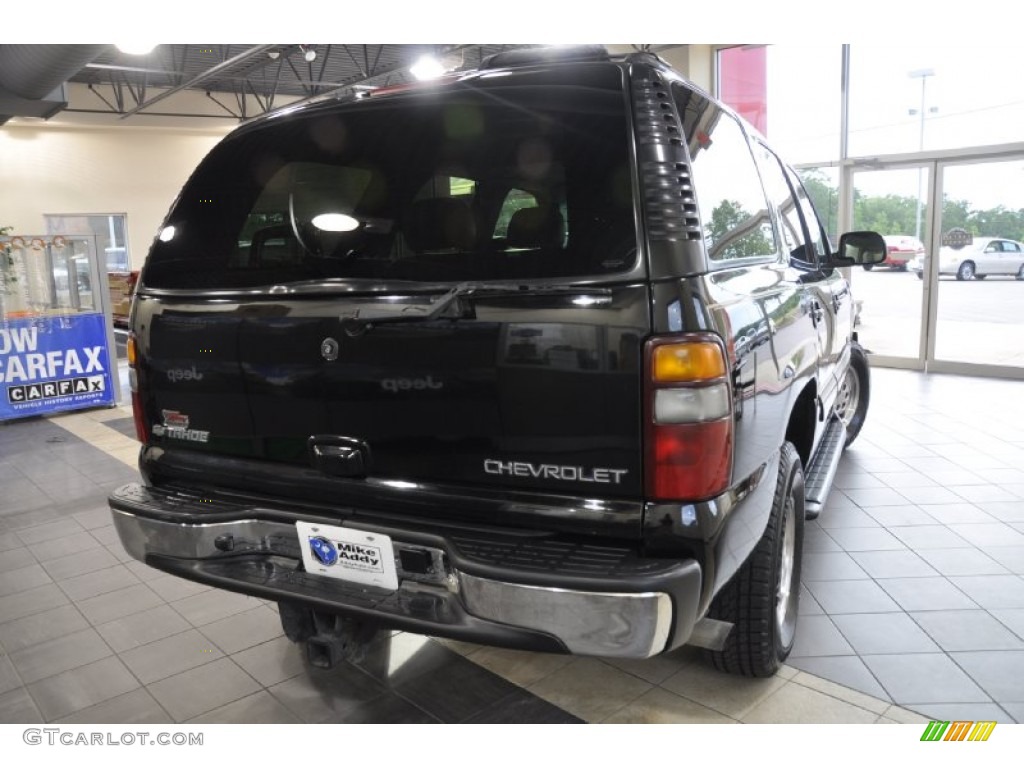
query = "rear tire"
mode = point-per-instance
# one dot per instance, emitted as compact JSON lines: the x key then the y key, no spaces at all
{"x":762,"y":598}
{"x":1020,"y":272}
{"x":966,"y":271}
{"x":854,"y":393}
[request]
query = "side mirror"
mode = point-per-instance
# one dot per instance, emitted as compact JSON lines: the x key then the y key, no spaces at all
{"x":857,"y":248}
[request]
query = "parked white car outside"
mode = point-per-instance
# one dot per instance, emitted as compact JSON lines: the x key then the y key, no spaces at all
{"x":983,"y":257}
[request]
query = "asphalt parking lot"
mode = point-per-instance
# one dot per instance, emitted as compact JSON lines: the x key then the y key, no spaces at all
{"x":978,"y":321}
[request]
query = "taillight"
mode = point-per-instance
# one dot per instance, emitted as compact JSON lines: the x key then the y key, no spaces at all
{"x":688,"y":427}
{"x":141,"y":429}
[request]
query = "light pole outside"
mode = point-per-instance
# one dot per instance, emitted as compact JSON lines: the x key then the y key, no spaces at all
{"x":924,"y":74}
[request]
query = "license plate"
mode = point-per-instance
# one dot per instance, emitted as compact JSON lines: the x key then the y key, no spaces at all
{"x":348,"y":554}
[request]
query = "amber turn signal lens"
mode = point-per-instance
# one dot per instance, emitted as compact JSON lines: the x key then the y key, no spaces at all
{"x":131,"y":350}
{"x":689,"y":361}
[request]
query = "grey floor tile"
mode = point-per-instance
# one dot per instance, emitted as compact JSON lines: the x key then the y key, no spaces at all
{"x":863,"y":596}
{"x":993,"y":591}
{"x":272,"y":662}
{"x":903,"y":480}
{"x":16,"y":706}
{"x":906,"y":516}
{"x":989,"y":534}
{"x":808,"y":605}
{"x":920,"y":537}
{"x":12,"y":582}
{"x":192,"y":693}
{"x":213,"y":605}
{"x":9,"y":678}
{"x":1013,"y":709}
{"x":98,"y":517}
{"x":244,"y":630}
{"x":830,"y":566}
{"x":458,"y":691}
{"x":321,"y":696}
{"x":845,"y":670}
{"x":1006,"y":511}
{"x":16,"y":559}
{"x":933,"y":495}
{"x":75,"y":545}
{"x":967,"y":631}
{"x":522,"y":708}
{"x":107,"y":535}
{"x":59,"y":655}
{"x":924,"y":678}
{"x":77,"y":689}
{"x":31,"y":601}
{"x":91,"y":560}
{"x":40,"y":627}
{"x":865,"y":539}
{"x":818,"y":636}
{"x":173,"y":588}
{"x":878,"y":497}
{"x":961,"y":561}
{"x":797,"y":704}
{"x":930,"y":593}
{"x":893,"y":564}
{"x":730,"y":695}
{"x":142,"y":628}
{"x":136,"y":706}
{"x":98,"y":583}
{"x":832,"y":519}
{"x":884,"y":633}
{"x":982,"y":494}
{"x":47,"y":532}
{"x":1000,"y":673}
{"x":848,"y":480}
{"x":147,"y":574}
{"x":260,"y":707}
{"x":170,"y":656}
{"x":1013,"y":618}
{"x":817,"y":540}
{"x":118,"y":604}
{"x":953,"y":514}
{"x":9,"y":541}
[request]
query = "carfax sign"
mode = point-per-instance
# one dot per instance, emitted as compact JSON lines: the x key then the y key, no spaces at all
{"x":53,"y":363}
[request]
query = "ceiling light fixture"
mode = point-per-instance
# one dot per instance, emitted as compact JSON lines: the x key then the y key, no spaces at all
{"x":427,"y":68}
{"x":308,"y":52}
{"x":273,"y":54}
{"x":135,"y":49}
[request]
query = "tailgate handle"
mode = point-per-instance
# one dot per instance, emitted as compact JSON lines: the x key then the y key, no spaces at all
{"x":339,"y":456}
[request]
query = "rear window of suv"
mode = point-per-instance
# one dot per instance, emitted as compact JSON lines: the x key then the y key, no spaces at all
{"x":510,"y":177}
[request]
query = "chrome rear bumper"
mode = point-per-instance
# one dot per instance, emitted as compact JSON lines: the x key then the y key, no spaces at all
{"x":263,"y":561}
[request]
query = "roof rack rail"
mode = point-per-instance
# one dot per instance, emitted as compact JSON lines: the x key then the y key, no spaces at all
{"x":555,"y":54}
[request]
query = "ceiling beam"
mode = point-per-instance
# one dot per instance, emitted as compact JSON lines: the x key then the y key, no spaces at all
{"x":234,"y":60}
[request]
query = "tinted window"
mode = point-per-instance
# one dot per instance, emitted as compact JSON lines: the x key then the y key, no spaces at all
{"x":733,"y":210}
{"x":794,"y":236}
{"x":504,"y":181}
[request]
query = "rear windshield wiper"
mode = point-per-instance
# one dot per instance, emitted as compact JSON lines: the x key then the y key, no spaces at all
{"x":391,"y":312}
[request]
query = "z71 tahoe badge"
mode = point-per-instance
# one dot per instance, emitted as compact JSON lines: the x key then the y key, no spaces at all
{"x":175,"y":427}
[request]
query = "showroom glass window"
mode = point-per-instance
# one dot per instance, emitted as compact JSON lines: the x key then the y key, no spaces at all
{"x":791,"y":93}
{"x":931,"y":97}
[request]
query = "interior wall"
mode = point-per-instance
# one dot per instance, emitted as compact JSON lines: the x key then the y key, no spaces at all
{"x":66,"y":170}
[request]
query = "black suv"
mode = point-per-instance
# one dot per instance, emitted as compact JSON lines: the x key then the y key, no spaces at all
{"x":552,"y":355}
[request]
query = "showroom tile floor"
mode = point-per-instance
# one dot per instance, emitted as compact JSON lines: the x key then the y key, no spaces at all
{"x":912,"y":607}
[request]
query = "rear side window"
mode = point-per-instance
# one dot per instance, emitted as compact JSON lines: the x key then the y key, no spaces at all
{"x":484,"y":183}
{"x":733,"y":209}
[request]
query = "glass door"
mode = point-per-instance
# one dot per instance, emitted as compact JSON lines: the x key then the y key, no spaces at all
{"x":980,"y":268}
{"x":892,"y":201}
